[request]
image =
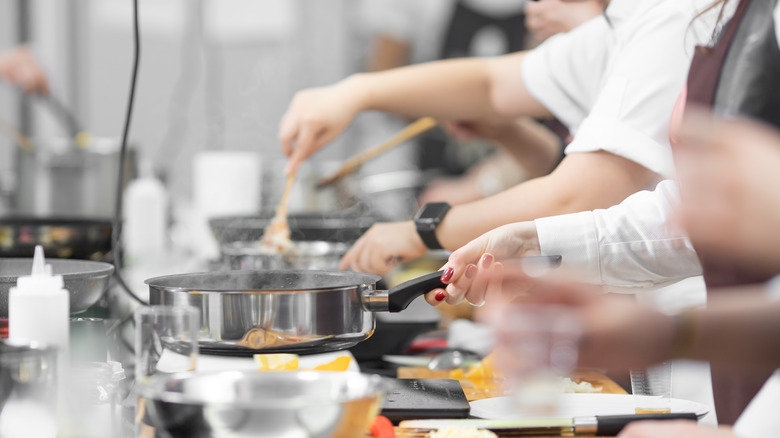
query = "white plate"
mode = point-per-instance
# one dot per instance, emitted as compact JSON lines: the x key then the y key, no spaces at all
{"x":577,"y":405}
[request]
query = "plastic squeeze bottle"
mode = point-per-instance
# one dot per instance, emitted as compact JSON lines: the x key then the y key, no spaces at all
{"x":39,"y":310}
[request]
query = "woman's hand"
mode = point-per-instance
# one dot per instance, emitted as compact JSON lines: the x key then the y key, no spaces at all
{"x":19,"y":67}
{"x":316,"y":117}
{"x":383,"y":246}
{"x":470,"y":270}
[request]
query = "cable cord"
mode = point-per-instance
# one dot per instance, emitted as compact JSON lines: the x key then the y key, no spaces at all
{"x":116,"y":229}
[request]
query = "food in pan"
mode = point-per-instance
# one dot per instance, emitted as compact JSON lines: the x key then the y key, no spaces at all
{"x":462,"y":432}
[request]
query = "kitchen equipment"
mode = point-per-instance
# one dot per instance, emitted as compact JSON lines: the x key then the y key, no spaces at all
{"x":61,"y":237}
{"x":425,"y":398}
{"x":246,"y":312}
{"x":329,"y":226}
{"x":28,"y":389}
{"x":63,"y":177}
{"x":239,"y":404}
{"x":313,"y":255}
{"x":277,"y":235}
{"x":601,"y":425}
{"x":165,"y":331}
{"x":576,"y":405}
{"x":86,"y":280}
{"x":414,"y":129}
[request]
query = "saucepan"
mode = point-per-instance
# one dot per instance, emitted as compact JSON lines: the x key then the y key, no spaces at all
{"x":250,"y":404}
{"x":285,"y":311}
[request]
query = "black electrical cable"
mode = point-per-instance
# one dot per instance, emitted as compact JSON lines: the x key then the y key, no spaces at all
{"x":116,"y":231}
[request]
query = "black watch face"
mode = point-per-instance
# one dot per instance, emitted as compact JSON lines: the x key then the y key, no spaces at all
{"x":433,"y":211}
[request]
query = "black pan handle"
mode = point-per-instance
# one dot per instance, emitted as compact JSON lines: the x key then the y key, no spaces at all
{"x":401,"y":296}
{"x":611,"y":425}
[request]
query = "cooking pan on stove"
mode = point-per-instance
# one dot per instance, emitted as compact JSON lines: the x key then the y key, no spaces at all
{"x":285,"y":311}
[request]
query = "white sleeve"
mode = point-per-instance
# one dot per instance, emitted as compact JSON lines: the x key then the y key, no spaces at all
{"x":760,"y":419}
{"x":629,"y":245}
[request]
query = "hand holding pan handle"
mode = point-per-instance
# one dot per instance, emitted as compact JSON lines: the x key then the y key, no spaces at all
{"x":401,"y":296}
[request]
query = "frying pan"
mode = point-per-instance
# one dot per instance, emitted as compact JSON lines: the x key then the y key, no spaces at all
{"x":285,"y":311}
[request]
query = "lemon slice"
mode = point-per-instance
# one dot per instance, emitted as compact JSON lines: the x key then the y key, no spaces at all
{"x":276,"y":362}
{"x":340,"y":363}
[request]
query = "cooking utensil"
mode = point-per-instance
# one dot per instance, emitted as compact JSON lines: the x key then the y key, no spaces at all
{"x":85,"y":280}
{"x":316,"y":255}
{"x":601,"y":425}
{"x":251,"y":404}
{"x":451,"y":359}
{"x":28,"y":388}
{"x":17,"y":136}
{"x":329,"y":226}
{"x":277,"y":235}
{"x":412,"y":130}
{"x":61,"y":237}
{"x":246,"y":312}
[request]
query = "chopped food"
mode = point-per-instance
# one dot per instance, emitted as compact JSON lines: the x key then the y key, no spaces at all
{"x":485,"y":369}
{"x":570,"y":386}
{"x":381,"y":427}
{"x":289,"y":362}
{"x":462,"y":432}
{"x":276,"y":362}
{"x":340,"y":363}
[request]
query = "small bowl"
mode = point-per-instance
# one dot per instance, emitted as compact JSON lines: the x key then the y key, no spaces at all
{"x":243,"y":404}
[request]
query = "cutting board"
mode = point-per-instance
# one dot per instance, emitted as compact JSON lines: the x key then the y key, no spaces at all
{"x":494,"y":388}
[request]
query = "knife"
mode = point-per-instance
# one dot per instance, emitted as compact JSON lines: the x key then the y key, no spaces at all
{"x":600,"y":425}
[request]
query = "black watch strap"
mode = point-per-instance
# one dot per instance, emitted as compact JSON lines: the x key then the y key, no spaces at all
{"x":427,"y":219}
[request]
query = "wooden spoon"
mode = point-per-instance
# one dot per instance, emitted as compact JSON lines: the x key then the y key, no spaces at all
{"x":276,"y":236}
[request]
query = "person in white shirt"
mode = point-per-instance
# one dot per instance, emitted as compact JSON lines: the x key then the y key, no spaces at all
{"x":613,"y":81}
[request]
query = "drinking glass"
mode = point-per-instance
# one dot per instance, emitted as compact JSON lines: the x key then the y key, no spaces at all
{"x":166,"y":341}
{"x":537,"y":346}
{"x":652,"y":388}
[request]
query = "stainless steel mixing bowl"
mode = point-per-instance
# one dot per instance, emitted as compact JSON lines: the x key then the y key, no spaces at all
{"x":85,"y":280}
{"x":243,"y":404}
{"x":315,"y":255}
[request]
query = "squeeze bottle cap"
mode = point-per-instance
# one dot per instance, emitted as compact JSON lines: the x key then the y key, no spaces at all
{"x":41,"y":277}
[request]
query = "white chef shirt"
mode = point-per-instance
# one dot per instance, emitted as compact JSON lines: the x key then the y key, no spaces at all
{"x":629,"y":245}
{"x":615,"y":86}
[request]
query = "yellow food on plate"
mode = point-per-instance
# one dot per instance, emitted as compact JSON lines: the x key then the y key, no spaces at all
{"x":289,"y":362}
{"x":462,"y":432}
{"x":276,"y":362}
{"x":483,"y":370}
{"x":340,"y":363}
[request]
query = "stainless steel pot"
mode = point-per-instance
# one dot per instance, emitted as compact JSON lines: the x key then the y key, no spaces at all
{"x":238,"y":404}
{"x":86,"y":281}
{"x":315,"y":255}
{"x":247,"y":312}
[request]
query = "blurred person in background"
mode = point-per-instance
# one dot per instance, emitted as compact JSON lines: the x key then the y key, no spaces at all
{"x":613,"y":80}
{"x":635,"y":243}
{"x":20,"y":68}
{"x":412,"y":32}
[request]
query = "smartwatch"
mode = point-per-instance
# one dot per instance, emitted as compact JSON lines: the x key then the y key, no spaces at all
{"x":427,"y":219}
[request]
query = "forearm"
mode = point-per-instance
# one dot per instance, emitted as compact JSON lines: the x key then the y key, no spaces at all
{"x":739,"y":328}
{"x":581,"y":182}
{"x":458,"y":89}
{"x":535,"y":148}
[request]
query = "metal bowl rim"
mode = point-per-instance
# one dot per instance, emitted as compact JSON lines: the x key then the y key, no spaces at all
{"x":147,"y":389}
{"x":100,"y":269}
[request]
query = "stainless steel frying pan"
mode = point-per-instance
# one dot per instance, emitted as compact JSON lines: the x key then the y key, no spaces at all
{"x":247,"y":312}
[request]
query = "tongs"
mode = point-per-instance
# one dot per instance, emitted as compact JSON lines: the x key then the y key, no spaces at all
{"x":412,"y":130}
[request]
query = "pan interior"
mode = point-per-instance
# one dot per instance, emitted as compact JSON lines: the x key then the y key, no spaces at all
{"x":265,"y":280}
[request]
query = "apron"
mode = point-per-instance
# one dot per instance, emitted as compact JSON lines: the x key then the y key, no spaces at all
{"x":437,"y":150}
{"x":744,"y":81}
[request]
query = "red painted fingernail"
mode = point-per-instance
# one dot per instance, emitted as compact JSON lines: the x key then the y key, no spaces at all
{"x":447,"y":275}
{"x":440,"y":295}
{"x":487,"y":260}
{"x":471,"y":271}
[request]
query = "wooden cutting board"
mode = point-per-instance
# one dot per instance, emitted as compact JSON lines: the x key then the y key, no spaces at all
{"x":479,"y":390}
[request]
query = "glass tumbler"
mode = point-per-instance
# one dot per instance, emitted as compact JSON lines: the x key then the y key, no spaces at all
{"x":652,"y":389}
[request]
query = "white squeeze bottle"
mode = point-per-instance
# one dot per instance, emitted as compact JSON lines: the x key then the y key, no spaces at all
{"x":39,"y":310}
